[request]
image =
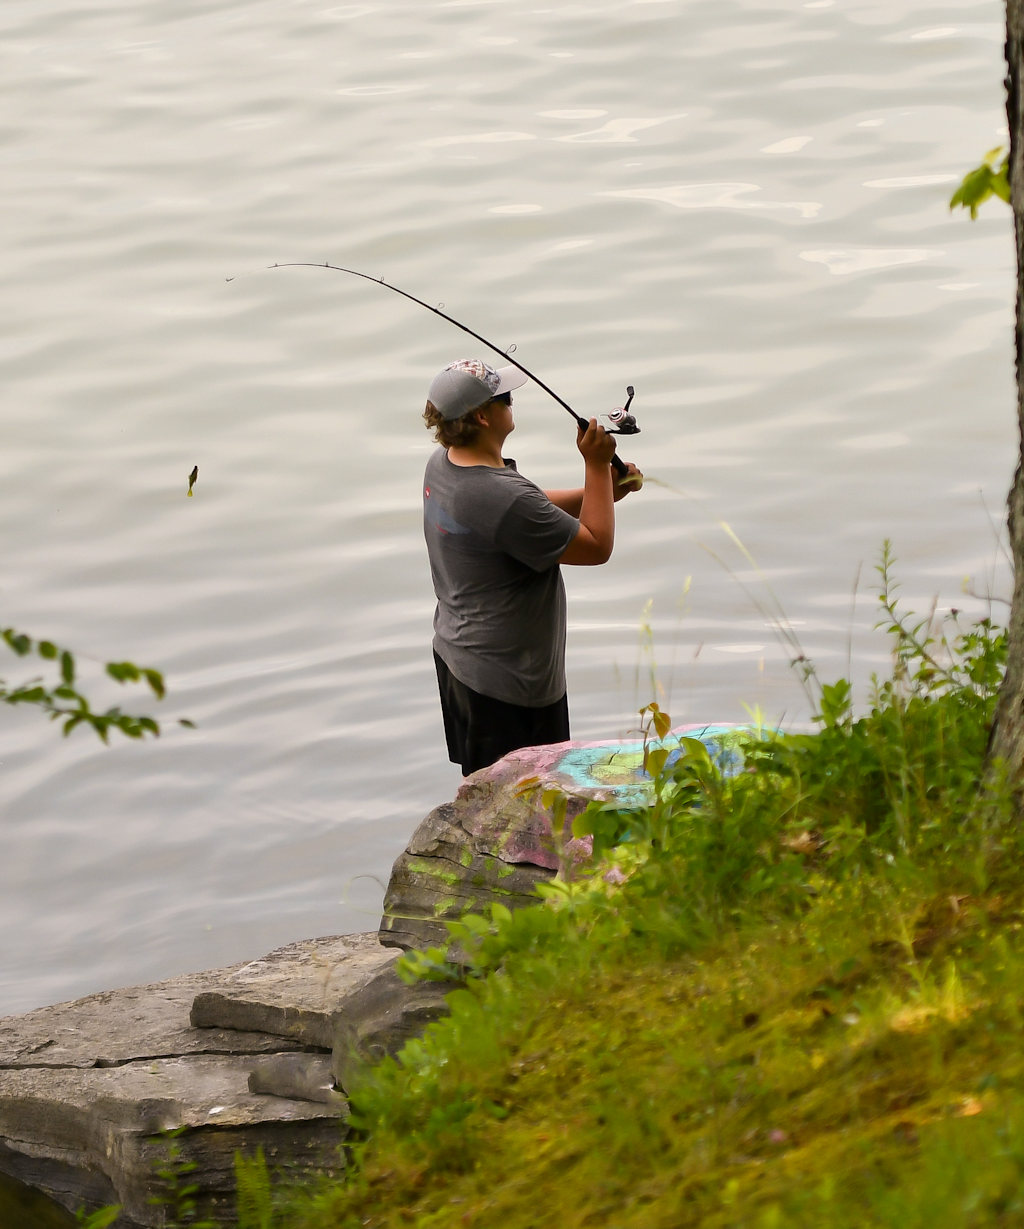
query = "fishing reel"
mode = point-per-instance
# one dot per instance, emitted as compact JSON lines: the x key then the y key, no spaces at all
{"x":623,"y":422}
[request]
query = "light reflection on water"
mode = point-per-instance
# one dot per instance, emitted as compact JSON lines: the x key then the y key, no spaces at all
{"x":740,"y":209}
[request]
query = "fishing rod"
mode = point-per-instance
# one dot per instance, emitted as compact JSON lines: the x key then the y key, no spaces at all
{"x":624,"y":423}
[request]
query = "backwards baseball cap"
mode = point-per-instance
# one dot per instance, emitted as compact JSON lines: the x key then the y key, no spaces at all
{"x":468,"y":384}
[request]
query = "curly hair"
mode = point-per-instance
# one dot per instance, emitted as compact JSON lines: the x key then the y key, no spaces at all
{"x":452,"y":432}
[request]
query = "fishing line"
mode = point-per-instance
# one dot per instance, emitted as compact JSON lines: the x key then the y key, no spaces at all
{"x":625,"y":423}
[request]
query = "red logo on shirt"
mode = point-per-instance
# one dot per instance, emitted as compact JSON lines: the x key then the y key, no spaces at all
{"x":426,"y":491}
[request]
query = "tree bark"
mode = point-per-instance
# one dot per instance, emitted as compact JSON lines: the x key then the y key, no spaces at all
{"x":1007,"y":740}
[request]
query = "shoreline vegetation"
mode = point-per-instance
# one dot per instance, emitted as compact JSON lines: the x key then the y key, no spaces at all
{"x":790,"y":996}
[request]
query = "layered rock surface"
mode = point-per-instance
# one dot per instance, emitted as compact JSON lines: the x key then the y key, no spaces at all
{"x":258,"y":1055}
{"x":90,"y":1089}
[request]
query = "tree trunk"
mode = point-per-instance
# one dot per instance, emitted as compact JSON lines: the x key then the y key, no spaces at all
{"x":1007,"y":741}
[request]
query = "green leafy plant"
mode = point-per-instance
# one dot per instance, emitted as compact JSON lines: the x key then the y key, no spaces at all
{"x":177,"y":1192}
{"x":255,"y":1196}
{"x":989,"y":179}
{"x":254,"y":1202}
{"x":609,"y":824}
{"x":102,"y":1218}
{"x":881,"y":782}
{"x":64,"y":702}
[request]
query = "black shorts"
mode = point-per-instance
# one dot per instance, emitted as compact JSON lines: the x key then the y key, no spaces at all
{"x":479,"y":730}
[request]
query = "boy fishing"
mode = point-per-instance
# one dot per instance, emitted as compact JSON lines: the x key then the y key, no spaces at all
{"x":495,"y":542}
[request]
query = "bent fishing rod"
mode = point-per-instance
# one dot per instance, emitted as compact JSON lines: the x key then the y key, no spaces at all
{"x":624,"y":422}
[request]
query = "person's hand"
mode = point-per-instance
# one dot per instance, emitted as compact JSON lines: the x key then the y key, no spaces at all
{"x":631,"y":480}
{"x":596,"y":446}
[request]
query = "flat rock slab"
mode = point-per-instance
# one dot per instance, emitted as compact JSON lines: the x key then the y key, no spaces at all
{"x":98,"y":1136}
{"x":295,"y":991}
{"x":505,"y":832}
{"x":89,"y":1089}
{"x":119,"y":1026}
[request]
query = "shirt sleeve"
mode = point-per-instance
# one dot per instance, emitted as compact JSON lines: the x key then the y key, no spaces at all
{"x":535,"y":531}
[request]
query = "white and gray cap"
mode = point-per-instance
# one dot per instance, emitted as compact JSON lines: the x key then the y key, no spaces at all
{"x":468,"y":384}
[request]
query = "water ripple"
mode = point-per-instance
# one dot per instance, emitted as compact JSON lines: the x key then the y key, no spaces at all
{"x":739,"y":209}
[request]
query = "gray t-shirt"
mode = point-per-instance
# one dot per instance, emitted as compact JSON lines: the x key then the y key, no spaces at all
{"x":494,"y":540}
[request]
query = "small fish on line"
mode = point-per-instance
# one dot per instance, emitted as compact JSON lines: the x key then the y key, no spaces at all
{"x":192,"y":479}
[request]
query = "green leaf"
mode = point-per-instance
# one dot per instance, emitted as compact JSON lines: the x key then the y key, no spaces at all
{"x":101,"y":1219}
{"x":29,"y":695}
{"x":836,"y":704}
{"x":661,"y":721}
{"x":48,"y":650}
{"x":552,"y":889}
{"x":67,"y":667}
{"x":156,"y":682}
{"x":695,"y":749}
{"x":989,"y":179}
{"x":123,"y":671}
{"x":17,"y":641}
{"x":656,"y":761}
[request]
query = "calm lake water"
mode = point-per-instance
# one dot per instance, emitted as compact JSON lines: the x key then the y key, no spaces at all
{"x":738,"y":207}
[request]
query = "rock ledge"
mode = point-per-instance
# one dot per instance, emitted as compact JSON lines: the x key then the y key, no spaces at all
{"x":258,"y":1055}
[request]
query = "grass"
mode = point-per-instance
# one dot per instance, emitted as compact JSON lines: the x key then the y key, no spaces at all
{"x":861,"y":1067}
{"x":792,"y":996}
{"x":802,"y":1005}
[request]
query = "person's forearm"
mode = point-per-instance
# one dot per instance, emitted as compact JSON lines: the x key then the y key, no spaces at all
{"x":596,"y":536}
{"x":597,"y":511}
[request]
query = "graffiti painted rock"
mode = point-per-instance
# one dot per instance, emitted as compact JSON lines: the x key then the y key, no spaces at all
{"x":443,"y":873}
{"x":504,"y":832}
